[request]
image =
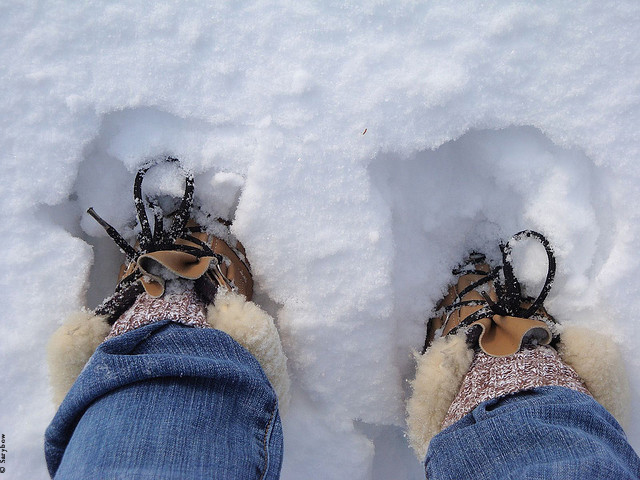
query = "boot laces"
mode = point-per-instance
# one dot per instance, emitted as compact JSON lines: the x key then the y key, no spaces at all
{"x":510,"y":300}
{"x":159,"y":238}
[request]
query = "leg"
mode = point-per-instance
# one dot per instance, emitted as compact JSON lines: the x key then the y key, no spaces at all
{"x":502,"y":391}
{"x":547,"y":432}
{"x":188,"y":374}
{"x":168,"y":401}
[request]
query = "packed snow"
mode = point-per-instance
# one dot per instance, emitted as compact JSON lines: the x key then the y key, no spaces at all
{"x":363,"y":149}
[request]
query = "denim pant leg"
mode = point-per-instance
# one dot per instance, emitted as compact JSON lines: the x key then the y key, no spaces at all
{"x":168,"y":401}
{"x":544,"y":433}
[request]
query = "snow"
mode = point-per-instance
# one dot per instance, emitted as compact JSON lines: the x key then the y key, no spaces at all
{"x":365,"y":148}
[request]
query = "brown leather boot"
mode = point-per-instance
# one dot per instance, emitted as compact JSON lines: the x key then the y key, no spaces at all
{"x":182,"y":250}
{"x":487,"y":339}
{"x":196,"y":267}
{"x":492,"y":310}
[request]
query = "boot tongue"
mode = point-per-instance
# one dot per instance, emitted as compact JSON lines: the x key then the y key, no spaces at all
{"x":503,"y":335}
{"x":167,"y":264}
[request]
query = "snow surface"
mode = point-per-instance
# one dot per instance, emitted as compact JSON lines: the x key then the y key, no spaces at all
{"x":364,"y":148}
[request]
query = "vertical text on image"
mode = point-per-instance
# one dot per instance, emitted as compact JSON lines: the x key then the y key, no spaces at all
{"x":3,"y":452}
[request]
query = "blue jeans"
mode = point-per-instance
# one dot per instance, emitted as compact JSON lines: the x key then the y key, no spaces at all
{"x":168,"y":401}
{"x":544,"y":433}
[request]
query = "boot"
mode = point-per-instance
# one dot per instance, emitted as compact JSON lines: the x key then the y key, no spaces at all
{"x":487,"y":340}
{"x":182,"y":273}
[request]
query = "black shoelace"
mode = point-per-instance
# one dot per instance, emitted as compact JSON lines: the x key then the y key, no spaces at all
{"x":157,"y":239}
{"x":508,"y":289}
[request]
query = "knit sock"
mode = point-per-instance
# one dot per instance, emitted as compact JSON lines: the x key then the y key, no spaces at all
{"x":179,"y":303}
{"x":493,"y":377}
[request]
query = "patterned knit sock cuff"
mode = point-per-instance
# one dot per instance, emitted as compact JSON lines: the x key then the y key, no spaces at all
{"x":179,"y":304}
{"x":493,"y":377}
